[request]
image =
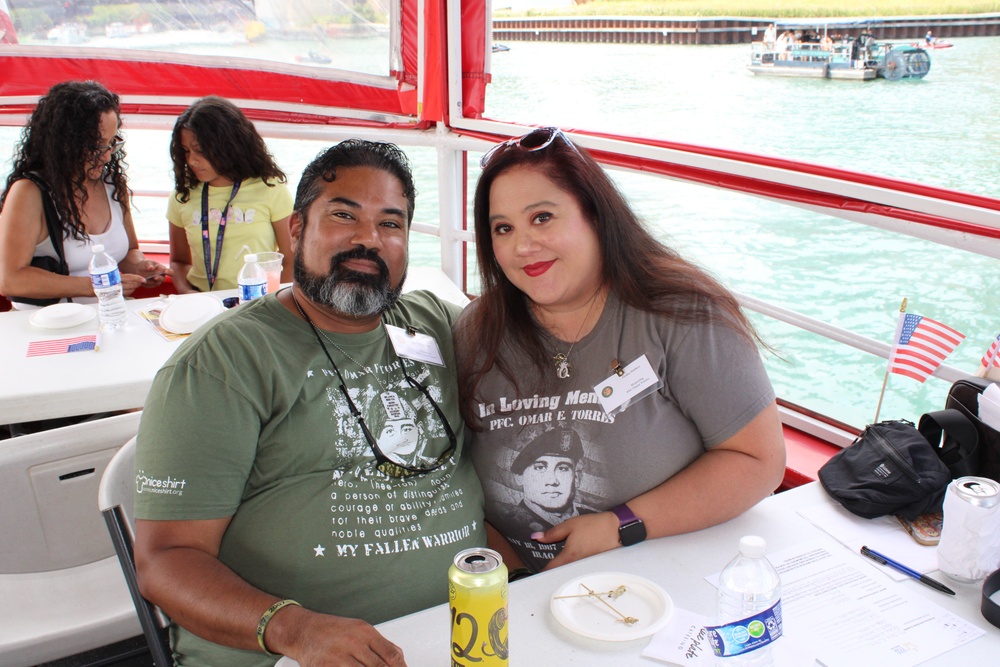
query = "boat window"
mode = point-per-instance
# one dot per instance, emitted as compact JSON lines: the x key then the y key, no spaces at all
{"x":810,"y":263}
{"x":307,"y":35}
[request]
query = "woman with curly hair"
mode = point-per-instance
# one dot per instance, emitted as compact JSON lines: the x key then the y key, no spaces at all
{"x":69,"y":167}
{"x":223,"y":177}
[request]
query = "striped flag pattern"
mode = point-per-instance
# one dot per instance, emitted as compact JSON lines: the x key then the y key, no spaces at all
{"x":921,"y":344}
{"x":991,"y":358}
{"x":40,"y":348}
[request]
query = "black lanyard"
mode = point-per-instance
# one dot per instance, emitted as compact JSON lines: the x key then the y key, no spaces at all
{"x":211,"y":272}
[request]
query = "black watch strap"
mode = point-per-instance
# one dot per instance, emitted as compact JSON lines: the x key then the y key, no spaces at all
{"x":989,"y":608}
{"x":631,"y":529}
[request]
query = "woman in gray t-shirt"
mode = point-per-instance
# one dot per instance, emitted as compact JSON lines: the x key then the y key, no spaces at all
{"x":612,"y":385}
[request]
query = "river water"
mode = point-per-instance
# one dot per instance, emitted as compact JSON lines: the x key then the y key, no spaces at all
{"x":941,"y":130}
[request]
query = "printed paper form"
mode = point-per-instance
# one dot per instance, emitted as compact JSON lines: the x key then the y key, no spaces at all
{"x":883,"y":534}
{"x":834,"y":601}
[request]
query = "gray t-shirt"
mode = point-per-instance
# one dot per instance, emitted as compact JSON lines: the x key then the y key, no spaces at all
{"x":247,"y":420}
{"x":555,"y":453}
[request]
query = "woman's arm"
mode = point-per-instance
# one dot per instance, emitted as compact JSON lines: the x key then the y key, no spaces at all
{"x":747,"y":466}
{"x":136,"y":270}
{"x":180,"y":259}
{"x":284,"y":240}
{"x":22,"y":227}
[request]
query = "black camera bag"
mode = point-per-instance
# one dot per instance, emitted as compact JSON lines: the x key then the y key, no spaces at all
{"x":889,"y":469}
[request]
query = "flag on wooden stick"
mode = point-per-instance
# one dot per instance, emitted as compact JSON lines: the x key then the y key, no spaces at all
{"x":920,"y":345}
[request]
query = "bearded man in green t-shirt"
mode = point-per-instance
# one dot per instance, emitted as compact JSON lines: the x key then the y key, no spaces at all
{"x":301,"y":473}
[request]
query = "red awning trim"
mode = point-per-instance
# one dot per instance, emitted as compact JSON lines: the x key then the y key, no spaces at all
{"x":786,"y":191}
{"x":835,"y":173}
{"x":26,"y":75}
{"x":794,"y":193}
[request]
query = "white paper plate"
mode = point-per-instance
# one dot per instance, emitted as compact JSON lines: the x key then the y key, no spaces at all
{"x":63,"y":315}
{"x":589,"y":617}
{"x":286,"y":662}
{"x":186,"y":313}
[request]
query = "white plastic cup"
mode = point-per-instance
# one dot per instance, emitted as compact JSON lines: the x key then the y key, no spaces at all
{"x":271,"y":263}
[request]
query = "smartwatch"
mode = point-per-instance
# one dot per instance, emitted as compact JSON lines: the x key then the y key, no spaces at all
{"x":631,"y":529}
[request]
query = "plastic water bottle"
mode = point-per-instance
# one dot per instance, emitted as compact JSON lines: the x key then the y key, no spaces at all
{"x":749,"y":606}
{"x":252,"y":279}
{"x":107,"y":282}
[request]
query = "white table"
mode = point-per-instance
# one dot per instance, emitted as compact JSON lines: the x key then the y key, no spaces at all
{"x":678,"y":564}
{"x":119,"y":376}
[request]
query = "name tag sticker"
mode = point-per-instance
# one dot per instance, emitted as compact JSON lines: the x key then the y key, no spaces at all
{"x":638,"y":381}
{"x":418,"y":346}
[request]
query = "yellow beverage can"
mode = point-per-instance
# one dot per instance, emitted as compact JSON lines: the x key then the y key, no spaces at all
{"x":477,"y":594}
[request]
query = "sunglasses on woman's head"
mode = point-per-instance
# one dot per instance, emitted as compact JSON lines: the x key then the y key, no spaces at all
{"x":536,"y":140}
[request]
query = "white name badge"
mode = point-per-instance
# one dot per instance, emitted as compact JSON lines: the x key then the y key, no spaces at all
{"x":637,"y":381}
{"x":416,"y":346}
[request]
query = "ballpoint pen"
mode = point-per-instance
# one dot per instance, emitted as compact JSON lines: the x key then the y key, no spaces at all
{"x":922,"y":578}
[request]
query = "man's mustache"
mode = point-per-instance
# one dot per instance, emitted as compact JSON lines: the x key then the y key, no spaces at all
{"x":368,"y":254}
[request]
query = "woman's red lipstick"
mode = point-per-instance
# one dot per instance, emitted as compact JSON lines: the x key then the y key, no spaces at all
{"x":537,"y":269}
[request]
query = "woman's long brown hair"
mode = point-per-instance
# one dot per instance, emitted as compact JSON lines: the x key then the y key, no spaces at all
{"x":640,"y":270}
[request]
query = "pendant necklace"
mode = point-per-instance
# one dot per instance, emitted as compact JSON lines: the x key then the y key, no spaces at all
{"x":564,"y":368}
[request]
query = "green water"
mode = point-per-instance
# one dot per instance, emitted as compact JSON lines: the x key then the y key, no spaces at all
{"x":941,"y":130}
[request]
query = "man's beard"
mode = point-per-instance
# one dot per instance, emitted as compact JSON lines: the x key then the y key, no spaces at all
{"x":352,"y":293}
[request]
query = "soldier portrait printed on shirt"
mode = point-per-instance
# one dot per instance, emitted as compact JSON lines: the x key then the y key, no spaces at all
{"x":547,"y":450}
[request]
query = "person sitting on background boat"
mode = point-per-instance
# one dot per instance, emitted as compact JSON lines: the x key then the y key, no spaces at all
{"x":770,"y":33}
{"x":929,"y":38}
{"x":262,"y":487}
{"x":867,"y":39}
{"x":69,"y":167}
{"x":784,"y":43}
{"x":576,"y":290}
{"x":826,"y":43}
{"x":228,"y":188}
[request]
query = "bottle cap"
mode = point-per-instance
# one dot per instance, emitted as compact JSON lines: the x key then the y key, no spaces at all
{"x":98,"y":247}
{"x":752,"y":546}
{"x":250,"y":258}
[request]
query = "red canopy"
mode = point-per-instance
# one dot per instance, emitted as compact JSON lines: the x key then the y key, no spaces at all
{"x":165,"y":82}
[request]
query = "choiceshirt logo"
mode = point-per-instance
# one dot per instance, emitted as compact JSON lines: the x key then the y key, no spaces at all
{"x":146,"y":484}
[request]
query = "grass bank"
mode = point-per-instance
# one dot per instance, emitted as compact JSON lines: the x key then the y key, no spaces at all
{"x":763,"y":8}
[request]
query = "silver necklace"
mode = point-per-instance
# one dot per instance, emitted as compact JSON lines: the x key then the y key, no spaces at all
{"x":564,"y":368}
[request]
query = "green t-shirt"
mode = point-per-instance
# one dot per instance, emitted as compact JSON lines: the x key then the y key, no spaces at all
{"x":247,"y":420}
{"x":249,"y":224}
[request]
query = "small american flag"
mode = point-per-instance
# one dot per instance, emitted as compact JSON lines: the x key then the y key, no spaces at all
{"x":41,"y":348}
{"x":991,"y":358}
{"x":921,"y":344}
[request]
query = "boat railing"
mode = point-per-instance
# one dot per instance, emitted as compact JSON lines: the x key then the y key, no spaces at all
{"x":945,"y":217}
{"x":950,"y":218}
{"x":767,"y":53}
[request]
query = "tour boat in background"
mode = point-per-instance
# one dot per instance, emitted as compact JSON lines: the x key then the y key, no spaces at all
{"x":825,"y":50}
{"x":431,"y":94}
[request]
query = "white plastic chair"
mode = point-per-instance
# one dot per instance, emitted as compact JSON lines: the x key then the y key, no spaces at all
{"x":116,"y":499}
{"x":61,"y":590}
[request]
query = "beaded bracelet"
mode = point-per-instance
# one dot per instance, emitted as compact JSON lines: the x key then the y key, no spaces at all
{"x":266,"y":618}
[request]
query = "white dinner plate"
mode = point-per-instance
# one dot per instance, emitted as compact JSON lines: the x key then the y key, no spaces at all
{"x":184,"y":314}
{"x":590,"y":617}
{"x":286,"y":662}
{"x":63,"y":315}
